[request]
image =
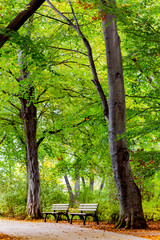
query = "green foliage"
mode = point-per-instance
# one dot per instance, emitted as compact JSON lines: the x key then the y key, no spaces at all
{"x":70,"y":118}
{"x":13,"y":201}
{"x":13,"y":187}
{"x":145,"y":163}
{"x":152,"y":202}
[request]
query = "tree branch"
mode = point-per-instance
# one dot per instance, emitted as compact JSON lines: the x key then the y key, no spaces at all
{"x":56,"y":19}
{"x":59,"y":130}
{"x":50,"y":132}
{"x":71,"y":50}
{"x":42,"y":112}
{"x":20,"y":19}
{"x":90,"y":57}
{"x":41,"y":94}
{"x":62,"y":15}
{"x":20,"y":138}
{"x":135,"y":96}
{"x":144,"y":110}
{"x":3,"y":139}
{"x":13,"y":105}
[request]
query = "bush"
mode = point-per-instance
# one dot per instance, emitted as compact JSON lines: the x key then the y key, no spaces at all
{"x":13,"y":202}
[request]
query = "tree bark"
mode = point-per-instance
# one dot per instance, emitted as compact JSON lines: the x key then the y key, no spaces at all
{"x":20,"y":19}
{"x":29,"y":118}
{"x":28,"y":115}
{"x":71,"y":196}
{"x":101,"y":186}
{"x":131,"y":213}
{"x":77,"y":188}
{"x":77,"y":182}
{"x":83,"y":182}
{"x":91,"y":184}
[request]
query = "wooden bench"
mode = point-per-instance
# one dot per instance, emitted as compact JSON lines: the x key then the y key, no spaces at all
{"x":85,"y":211}
{"x":58,"y":209}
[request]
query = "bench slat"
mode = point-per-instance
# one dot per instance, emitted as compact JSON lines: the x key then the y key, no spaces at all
{"x":58,"y":204}
{"x":62,"y":207}
{"x":84,"y":209}
{"x":88,"y":204}
{"x":88,"y":207}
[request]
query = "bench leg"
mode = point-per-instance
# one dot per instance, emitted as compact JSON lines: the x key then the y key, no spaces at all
{"x":81,"y":217}
{"x":96,"y":218}
{"x":67,"y":217}
{"x":84,"y":220}
{"x":71,"y":219}
{"x":56,"y":217}
{"x":45,"y":217}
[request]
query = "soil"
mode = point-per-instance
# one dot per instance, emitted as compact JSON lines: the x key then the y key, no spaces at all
{"x":152,"y":233}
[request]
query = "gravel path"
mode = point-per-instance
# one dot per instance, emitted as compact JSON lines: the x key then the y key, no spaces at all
{"x":57,"y":231}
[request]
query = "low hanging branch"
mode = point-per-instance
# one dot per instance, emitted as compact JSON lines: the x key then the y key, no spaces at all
{"x":3,"y":139}
{"x":20,"y":19}
{"x":90,"y":56}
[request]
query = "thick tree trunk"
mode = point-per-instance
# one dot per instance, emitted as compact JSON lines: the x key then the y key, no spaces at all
{"x":131,"y":213}
{"x":29,"y":117}
{"x":71,"y":196}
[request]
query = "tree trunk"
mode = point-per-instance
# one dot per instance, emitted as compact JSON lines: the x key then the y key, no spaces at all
{"x":77,"y":188}
{"x":83,"y":182}
{"x":131,"y":213}
{"x":101,"y":186}
{"x":91,"y":184}
{"x":29,"y":117}
{"x":77,"y":183}
{"x":71,"y":196}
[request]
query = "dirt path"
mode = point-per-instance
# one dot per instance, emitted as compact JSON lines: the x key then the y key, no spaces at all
{"x":60,"y":231}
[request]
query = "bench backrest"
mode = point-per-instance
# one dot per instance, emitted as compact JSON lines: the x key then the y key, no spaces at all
{"x":88,"y":207}
{"x":60,"y":207}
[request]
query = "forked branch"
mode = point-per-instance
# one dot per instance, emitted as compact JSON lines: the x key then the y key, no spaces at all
{"x":90,"y":55}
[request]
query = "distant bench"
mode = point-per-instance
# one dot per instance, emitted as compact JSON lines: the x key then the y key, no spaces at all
{"x":58,"y":209}
{"x":85,"y":211}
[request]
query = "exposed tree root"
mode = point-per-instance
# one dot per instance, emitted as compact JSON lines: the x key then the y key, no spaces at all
{"x":131,"y":222}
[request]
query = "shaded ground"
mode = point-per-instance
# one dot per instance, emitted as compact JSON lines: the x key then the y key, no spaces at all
{"x":153,"y":233}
